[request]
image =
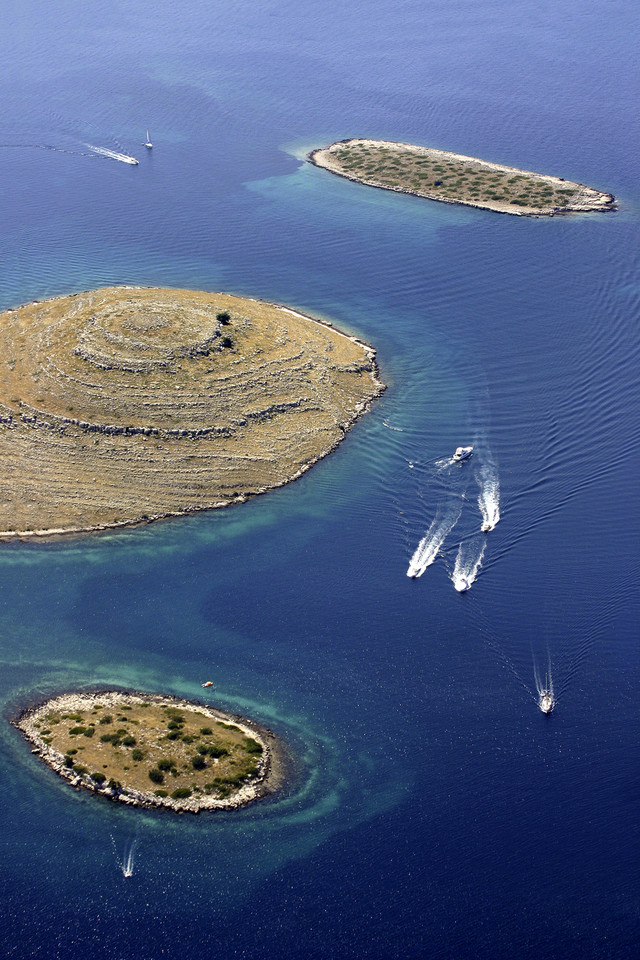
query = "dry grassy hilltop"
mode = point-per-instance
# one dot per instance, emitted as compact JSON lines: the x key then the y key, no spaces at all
{"x":453,"y":178}
{"x":123,"y":405}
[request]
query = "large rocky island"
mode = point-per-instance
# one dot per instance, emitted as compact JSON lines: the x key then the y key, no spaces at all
{"x":454,"y":178}
{"x":124,"y":405}
{"x":154,"y":751}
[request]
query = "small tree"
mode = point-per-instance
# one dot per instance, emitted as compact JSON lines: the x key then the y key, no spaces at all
{"x":155,"y":775}
{"x":224,"y":318}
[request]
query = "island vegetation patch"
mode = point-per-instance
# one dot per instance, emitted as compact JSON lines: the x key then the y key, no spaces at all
{"x":150,"y":750}
{"x":454,"y":178}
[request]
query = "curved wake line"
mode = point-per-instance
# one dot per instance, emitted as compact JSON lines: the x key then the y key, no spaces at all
{"x":427,"y":550}
{"x":44,"y":146}
{"x":468,"y":563}
{"x":489,"y":498}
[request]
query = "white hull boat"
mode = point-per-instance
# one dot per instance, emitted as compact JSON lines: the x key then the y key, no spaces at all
{"x":462,"y":453}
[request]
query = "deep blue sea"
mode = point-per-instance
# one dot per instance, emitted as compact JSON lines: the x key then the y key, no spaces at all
{"x":432,"y":811}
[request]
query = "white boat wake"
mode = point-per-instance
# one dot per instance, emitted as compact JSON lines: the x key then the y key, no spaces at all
{"x":468,"y":563}
{"x":489,"y":498}
{"x":427,"y":550}
{"x":112,"y":154}
{"x":546,"y":695}
{"x":127,"y":861}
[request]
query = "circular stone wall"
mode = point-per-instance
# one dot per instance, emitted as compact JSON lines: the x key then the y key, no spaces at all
{"x":124,"y":405}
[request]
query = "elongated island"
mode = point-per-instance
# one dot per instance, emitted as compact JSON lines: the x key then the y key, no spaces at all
{"x":454,"y":178}
{"x":124,"y":405}
{"x":150,"y":750}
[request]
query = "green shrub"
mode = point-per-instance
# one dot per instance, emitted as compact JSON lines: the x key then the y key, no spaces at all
{"x":223,"y":317}
{"x":107,"y":718}
{"x":203,"y":749}
{"x":78,"y":768}
{"x":187,"y":738}
{"x":76,"y":731}
{"x":156,"y":776}
{"x":252,"y":746}
{"x":174,"y":735}
{"x":129,"y":741}
{"x":114,"y":784}
{"x":161,"y":793}
{"x":174,"y":725}
{"x":137,"y":754}
{"x":165,"y":764}
{"x":206,"y":731}
{"x":227,"y":342}
{"x":174,"y":714}
{"x":215,"y":751}
{"x":181,"y":793}
{"x":108,"y":738}
{"x":89,"y":732}
{"x":98,"y":777}
{"x":68,"y":761}
{"x":198,"y":762}
{"x":71,"y":752}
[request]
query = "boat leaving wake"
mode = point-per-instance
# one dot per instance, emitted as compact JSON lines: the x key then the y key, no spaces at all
{"x":427,"y":550}
{"x":468,"y":563}
{"x":128,"y":857}
{"x":546,"y":695}
{"x":112,"y":154}
{"x":489,"y":498}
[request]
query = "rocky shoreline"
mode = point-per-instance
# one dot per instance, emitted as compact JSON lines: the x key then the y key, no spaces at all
{"x":269,"y":779}
{"x":591,"y":200}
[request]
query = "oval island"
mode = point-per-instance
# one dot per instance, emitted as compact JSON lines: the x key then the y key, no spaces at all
{"x":454,"y":178}
{"x":124,"y":405}
{"x":150,"y":750}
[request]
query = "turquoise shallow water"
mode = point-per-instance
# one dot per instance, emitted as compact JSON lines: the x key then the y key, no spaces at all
{"x":432,"y":810}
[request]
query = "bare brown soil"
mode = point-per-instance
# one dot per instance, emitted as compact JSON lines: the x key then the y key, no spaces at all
{"x":124,"y":405}
{"x":453,"y":178}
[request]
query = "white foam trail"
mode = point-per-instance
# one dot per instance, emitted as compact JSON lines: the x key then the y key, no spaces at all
{"x":489,"y":499}
{"x":112,"y":155}
{"x":127,"y":862}
{"x":389,"y":427}
{"x":546,"y":695}
{"x":427,"y":549}
{"x":468,"y":563}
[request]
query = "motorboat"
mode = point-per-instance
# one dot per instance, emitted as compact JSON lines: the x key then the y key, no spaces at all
{"x":546,"y":701}
{"x":461,"y":585}
{"x":148,"y":143}
{"x":462,"y":453}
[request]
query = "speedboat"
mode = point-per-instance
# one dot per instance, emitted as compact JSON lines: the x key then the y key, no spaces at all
{"x":546,"y":701}
{"x":461,"y":585}
{"x":462,"y":453}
